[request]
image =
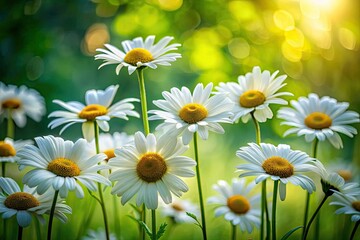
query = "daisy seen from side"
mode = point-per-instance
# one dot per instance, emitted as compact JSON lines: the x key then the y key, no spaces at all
{"x":62,"y":165}
{"x":151,"y":166}
{"x":138,"y":53}
{"x":178,"y":209}
{"x":237,"y":203}
{"x":109,"y":142}
{"x":320,"y":118}
{"x":277,"y":163}
{"x":98,"y":109}
{"x":253,"y":94}
{"x":348,"y":204}
{"x":9,"y":148}
{"x":185,"y":113}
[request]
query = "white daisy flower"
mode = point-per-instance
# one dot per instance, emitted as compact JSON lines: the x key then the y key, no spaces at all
{"x":253,"y":94}
{"x":98,"y":108}
{"x":19,"y":102}
{"x":27,"y":203}
{"x":151,"y":166}
{"x":9,"y":148}
{"x":278,"y":163}
{"x":321,"y":118}
{"x":62,"y":164}
{"x":99,"y":234}
{"x":236,"y":204}
{"x":139,"y":53}
{"x":348,"y":205}
{"x":185,"y":113}
{"x":177,"y":210}
{"x":347,"y":170}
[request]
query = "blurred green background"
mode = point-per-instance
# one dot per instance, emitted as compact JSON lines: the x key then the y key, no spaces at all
{"x":50,"y":46}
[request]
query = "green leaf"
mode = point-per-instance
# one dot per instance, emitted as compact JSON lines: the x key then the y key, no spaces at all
{"x":161,"y":231}
{"x":195,"y":218}
{"x":290,"y":232}
{"x":146,"y":228}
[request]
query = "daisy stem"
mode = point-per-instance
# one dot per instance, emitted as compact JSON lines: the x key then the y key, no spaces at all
{"x":273,"y":215}
{"x":202,"y":209}
{"x":354,"y":230}
{"x":116,"y":215}
{"x":38,"y":229}
{"x":307,"y":228}
{"x":153,"y":224}
{"x":20,"y":231}
{"x":3,"y":169}
{"x":52,"y":211}
{"x":257,"y":129}
{"x":233,"y":231}
{"x":101,"y":197}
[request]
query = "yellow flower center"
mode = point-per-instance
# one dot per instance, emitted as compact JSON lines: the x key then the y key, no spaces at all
{"x":193,"y":112}
{"x":151,"y":167}
{"x":109,"y":153}
{"x":138,"y":55}
{"x":252,"y":98}
{"x":345,"y":174}
{"x":64,"y":167}
{"x":21,"y":201}
{"x":356,"y":205}
{"x":318,"y":120}
{"x":177,"y":207}
{"x":278,"y":166}
{"x":238,"y":204}
{"x":11,"y":103}
{"x":90,"y":112}
{"x":6,"y":150}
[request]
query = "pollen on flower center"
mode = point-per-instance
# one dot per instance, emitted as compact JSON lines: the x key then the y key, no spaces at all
{"x":136,"y":55}
{"x":345,"y":174}
{"x":318,"y":120}
{"x":193,"y":113}
{"x":238,"y":204}
{"x":252,"y":98}
{"x":151,"y":167}
{"x":177,"y":207}
{"x":90,"y":112}
{"x":356,"y":205}
{"x":109,"y":153}
{"x":278,"y":166}
{"x":11,"y":103}
{"x":21,"y":201}
{"x":64,"y":167}
{"x":6,"y":150}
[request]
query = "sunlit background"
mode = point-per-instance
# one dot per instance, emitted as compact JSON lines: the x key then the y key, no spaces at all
{"x":50,"y":46}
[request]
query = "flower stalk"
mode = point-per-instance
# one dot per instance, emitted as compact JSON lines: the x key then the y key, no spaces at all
{"x":273,"y":227}
{"x":52,"y":211}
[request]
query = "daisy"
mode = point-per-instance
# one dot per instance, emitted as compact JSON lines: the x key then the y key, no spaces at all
{"x":347,"y":170}
{"x":253,"y":94}
{"x":236,"y":204}
{"x":27,"y":203}
{"x":139,"y":53}
{"x":348,"y":205}
{"x":278,"y":163}
{"x":321,"y":118}
{"x":61,"y":164}
{"x":97,"y":110}
{"x":17,"y":102}
{"x":177,"y":211}
{"x":185,"y":113}
{"x":97,"y":235}
{"x":9,"y":148}
{"x":151,"y":166}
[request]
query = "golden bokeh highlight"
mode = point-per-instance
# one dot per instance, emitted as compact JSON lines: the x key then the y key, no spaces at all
{"x":170,"y":5}
{"x":96,"y":36}
{"x":239,"y":48}
{"x":284,"y":20}
{"x":347,"y":39}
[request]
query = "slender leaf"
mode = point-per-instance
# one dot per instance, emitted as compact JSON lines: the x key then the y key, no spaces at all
{"x":161,"y":231}
{"x":290,"y":232}
{"x":195,"y":218}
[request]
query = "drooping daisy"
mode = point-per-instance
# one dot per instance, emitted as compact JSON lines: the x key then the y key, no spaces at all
{"x":97,"y":235}
{"x":348,"y":205}
{"x":278,"y":163}
{"x":236,"y":204}
{"x":139,"y":53}
{"x":253,"y":93}
{"x":19,"y":102}
{"x":27,"y":203}
{"x":9,"y":148}
{"x":321,"y":118}
{"x":150,"y":167}
{"x":62,"y":164}
{"x":98,"y":109}
{"x":177,"y":210}
{"x":185,"y":113}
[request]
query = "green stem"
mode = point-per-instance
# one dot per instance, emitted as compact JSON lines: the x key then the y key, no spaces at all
{"x":101,"y":197}
{"x":10,"y":126}
{"x":116,"y":216}
{"x":38,"y":229}
{"x":87,"y":217}
{"x":317,"y":227}
{"x":202,"y":209}
{"x":233,"y":231}
{"x":257,"y":129}
{"x":153,"y":224}
{"x":276,"y":184}
{"x":20,"y":231}
{"x":307,"y":228}
{"x":354,"y":230}
{"x":52,"y":211}
{"x":3,"y":169}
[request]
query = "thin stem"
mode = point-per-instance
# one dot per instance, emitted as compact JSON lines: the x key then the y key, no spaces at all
{"x":276,"y":184}
{"x":10,"y":126}
{"x":20,"y":231}
{"x":153,"y":224}
{"x":307,"y":228}
{"x":354,"y":230}
{"x":52,"y":211}
{"x":257,"y":129}
{"x":116,"y":216}
{"x":3,"y":169}
{"x":38,"y":229}
{"x":202,"y":209}
{"x":233,"y":231}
